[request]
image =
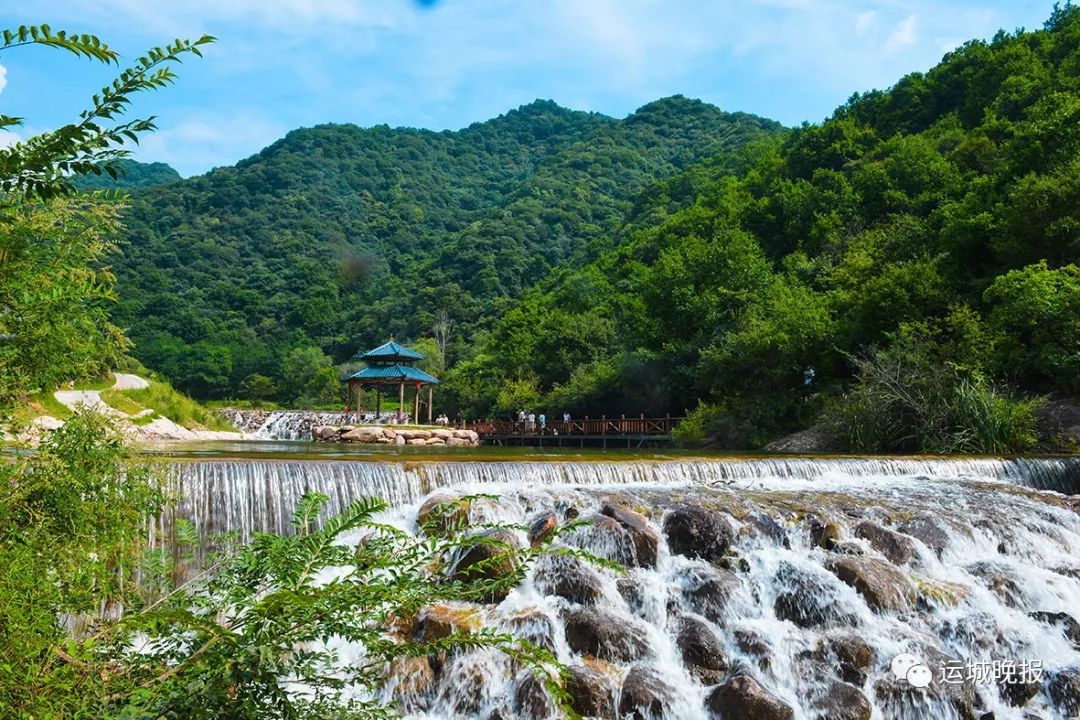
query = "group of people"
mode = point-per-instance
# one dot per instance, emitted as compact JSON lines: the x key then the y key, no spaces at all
{"x":530,"y":422}
{"x":444,"y":419}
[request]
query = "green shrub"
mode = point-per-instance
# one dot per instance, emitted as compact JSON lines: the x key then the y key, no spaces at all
{"x":176,"y":406}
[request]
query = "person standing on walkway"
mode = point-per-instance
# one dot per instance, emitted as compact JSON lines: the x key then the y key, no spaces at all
{"x":543,"y":423}
{"x":530,"y":423}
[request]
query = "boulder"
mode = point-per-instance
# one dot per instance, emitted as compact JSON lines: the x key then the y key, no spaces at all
{"x":606,"y":538}
{"x":490,"y":555}
{"x":817,"y":439}
{"x":542,"y":527}
{"x":998,"y":579}
{"x":1063,"y":688}
{"x":1070,"y":628}
{"x":458,"y":442}
{"x":568,"y":577}
{"x":644,"y":695}
{"x":707,"y":591}
{"x":769,"y":528}
{"x":398,"y":440}
{"x":440,"y":621}
{"x":823,"y":533}
{"x":442,"y":514}
{"x":895,"y":696}
{"x":531,"y":699}
{"x":697,"y":532}
{"x":743,"y":698}
{"x":896,"y":547}
{"x":808,"y":599}
{"x":842,"y":701}
{"x":325,"y":433}
{"x":411,"y":682}
{"x":389,"y":432}
{"x":882,"y":586}
{"x":46,"y":423}
{"x":416,"y":441}
{"x":755,"y":645}
{"x":644,"y":538}
{"x":1017,"y":690}
{"x":595,"y":632}
{"x":442,"y":434}
{"x":592,"y":693}
{"x":534,"y":626}
{"x":414,"y":434}
{"x":362,"y":434}
{"x":849,"y":654}
{"x":927,"y":531}
{"x":702,"y":652}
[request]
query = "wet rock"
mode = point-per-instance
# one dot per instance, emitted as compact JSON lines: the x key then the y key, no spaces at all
{"x":848,"y":547}
{"x":823,"y":533}
{"x":500,"y":713}
{"x":707,"y":591}
{"x":927,"y":531}
{"x":644,"y":695}
{"x":440,"y":621}
{"x":463,"y":684}
{"x":590,"y":631}
{"x":852,"y":656}
{"x":568,"y":577}
{"x":702,"y":652}
{"x":894,"y":696}
{"x":531,"y":699}
{"x":743,"y":698}
{"x":807,"y":599}
{"x":979,"y":630}
{"x":817,"y":439}
{"x":771,"y":529}
{"x":898,"y":548}
{"x":534,"y":626}
{"x":542,"y":528}
{"x":1063,"y":688}
{"x":592,"y":693}
{"x":1017,"y":690}
{"x":442,"y":514}
{"x":492,"y":555}
{"x":1063,"y":620}
{"x":997,"y":579}
{"x":606,"y":538}
{"x":412,"y":681}
{"x":881,"y":585}
{"x":697,"y":532}
{"x":644,"y":538}
{"x":843,"y":701}
{"x":755,"y":645}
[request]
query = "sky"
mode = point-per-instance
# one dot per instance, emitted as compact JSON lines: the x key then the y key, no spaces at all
{"x":443,"y":64}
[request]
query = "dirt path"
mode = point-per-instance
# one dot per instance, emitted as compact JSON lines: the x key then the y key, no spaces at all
{"x":91,"y":399}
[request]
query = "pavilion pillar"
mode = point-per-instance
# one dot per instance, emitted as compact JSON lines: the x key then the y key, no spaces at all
{"x":378,"y":401}
{"x":401,"y":399}
{"x":416,"y":405}
{"x":429,"y":404}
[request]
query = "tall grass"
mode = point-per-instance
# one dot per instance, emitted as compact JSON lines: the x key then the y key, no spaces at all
{"x":176,"y":406}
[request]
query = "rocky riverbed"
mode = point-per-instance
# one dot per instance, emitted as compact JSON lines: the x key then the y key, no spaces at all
{"x":390,"y":435}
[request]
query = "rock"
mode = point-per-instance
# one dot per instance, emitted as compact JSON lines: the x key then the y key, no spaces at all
{"x":595,"y":632}
{"x":325,"y":433}
{"x":362,"y":434}
{"x":415,"y":441}
{"x":702,"y":652}
{"x":542,"y":527}
{"x":823,"y":534}
{"x":411,"y":682}
{"x":1068,"y":624}
{"x":46,"y":423}
{"x":568,"y":577}
{"x":592,"y":693}
{"x":440,"y":621}
{"x":816,"y":439}
{"x":398,"y":440}
{"x":531,"y":699}
{"x":889,"y":543}
{"x":644,"y":695}
{"x":414,"y":434}
{"x":697,"y":532}
{"x":1017,"y":690}
{"x":442,"y":434}
{"x":883,"y":587}
{"x":997,"y":579}
{"x":644,"y":538}
{"x":389,"y":432}
{"x":850,"y":654}
{"x":896,"y":696}
{"x":755,"y":645}
{"x":1063,"y":687}
{"x":707,"y":591}
{"x":490,"y":555}
{"x":605,"y":538}
{"x":743,"y":698}
{"x":534,"y":626}
{"x":927,"y":531}
{"x":442,"y":514}
{"x":1058,"y":422}
{"x":808,"y":599}
{"x":458,"y":442}
{"x":769,"y":528}
{"x":843,"y":702}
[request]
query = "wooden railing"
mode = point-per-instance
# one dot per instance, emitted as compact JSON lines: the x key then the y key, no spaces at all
{"x":593,"y":427}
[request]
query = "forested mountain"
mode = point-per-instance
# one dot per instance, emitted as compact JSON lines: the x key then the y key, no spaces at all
{"x":938,"y":221}
{"x":337,"y":237}
{"x":133,"y":174}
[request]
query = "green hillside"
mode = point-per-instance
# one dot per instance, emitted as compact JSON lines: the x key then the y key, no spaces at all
{"x":938,"y":222}
{"x":336,"y":236}
{"x":133,"y":174}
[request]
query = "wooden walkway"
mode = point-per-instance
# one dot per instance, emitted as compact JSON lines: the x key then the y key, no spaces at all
{"x":604,"y":432}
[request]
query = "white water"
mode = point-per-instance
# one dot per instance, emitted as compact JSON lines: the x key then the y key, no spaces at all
{"x":991,"y":511}
{"x":297,"y":424}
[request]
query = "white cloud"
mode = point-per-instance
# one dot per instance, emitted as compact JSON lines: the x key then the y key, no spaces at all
{"x":864,"y":21}
{"x":3,"y":78}
{"x":207,"y":140}
{"x":8,"y":138}
{"x":904,"y":34}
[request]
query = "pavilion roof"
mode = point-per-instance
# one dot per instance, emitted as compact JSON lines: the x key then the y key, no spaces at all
{"x":391,"y":351}
{"x":392,"y":374}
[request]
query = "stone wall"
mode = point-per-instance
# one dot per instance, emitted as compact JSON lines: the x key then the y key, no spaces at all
{"x":388,"y":435}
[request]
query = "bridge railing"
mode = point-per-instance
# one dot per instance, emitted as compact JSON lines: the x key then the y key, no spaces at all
{"x":586,"y":426}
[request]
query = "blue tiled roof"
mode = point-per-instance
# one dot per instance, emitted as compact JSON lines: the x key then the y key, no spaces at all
{"x":393,"y":373}
{"x":391,"y":350}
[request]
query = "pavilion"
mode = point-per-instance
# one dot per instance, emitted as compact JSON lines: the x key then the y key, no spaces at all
{"x":392,"y":364}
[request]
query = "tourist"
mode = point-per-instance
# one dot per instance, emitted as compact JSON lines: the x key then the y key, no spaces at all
{"x":459,"y":420}
{"x":530,"y":422}
{"x":543,"y":423}
{"x":521,"y":420}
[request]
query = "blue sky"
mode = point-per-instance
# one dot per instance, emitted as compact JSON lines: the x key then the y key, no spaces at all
{"x":281,"y":64}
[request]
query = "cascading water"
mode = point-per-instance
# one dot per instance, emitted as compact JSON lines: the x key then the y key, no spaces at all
{"x":291,"y":424}
{"x":763,"y":588}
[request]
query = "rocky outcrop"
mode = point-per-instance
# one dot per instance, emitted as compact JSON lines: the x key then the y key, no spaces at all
{"x":816,"y":439}
{"x":702,"y":651}
{"x":568,"y":577}
{"x":595,"y":632}
{"x":643,"y":537}
{"x":592,"y":693}
{"x":698,"y":532}
{"x":743,"y":698}
{"x":390,"y":435}
{"x":644,"y":696}
{"x":898,"y":548}
{"x":882,"y":586}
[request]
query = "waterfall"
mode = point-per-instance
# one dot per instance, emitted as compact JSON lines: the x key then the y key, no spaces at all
{"x":290,"y":424}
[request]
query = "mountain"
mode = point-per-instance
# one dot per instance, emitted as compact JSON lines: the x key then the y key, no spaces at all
{"x":936,"y":224}
{"x":133,"y":174}
{"x":336,"y":237}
